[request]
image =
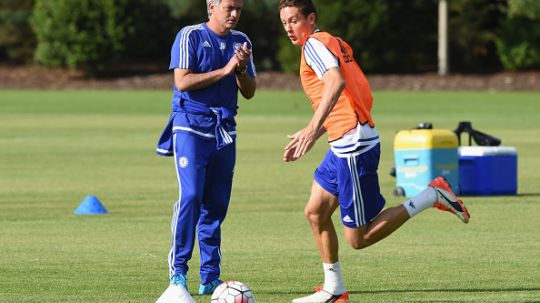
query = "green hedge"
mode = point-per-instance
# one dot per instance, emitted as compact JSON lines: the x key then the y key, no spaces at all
{"x":77,"y":34}
{"x":472,"y":25}
{"x":149,"y":30}
{"x":387,"y":36}
{"x":518,"y":39}
{"x":17,"y":40}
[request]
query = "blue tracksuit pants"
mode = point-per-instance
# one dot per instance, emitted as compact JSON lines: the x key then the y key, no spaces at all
{"x":204,"y":176}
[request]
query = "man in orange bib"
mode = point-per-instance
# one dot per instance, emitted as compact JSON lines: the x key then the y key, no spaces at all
{"x":347,"y":177}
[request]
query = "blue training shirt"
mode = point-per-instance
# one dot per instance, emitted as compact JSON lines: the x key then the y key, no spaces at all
{"x":200,"y":50}
{"x":208,"y":112}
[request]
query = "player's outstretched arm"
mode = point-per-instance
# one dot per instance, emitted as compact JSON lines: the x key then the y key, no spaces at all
{"x":294,"y":144}
{"x":303,"y":141}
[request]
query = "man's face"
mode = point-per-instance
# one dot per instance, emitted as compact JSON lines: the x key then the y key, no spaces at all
{"x":297,"y":26}
{"x":227,"y":13}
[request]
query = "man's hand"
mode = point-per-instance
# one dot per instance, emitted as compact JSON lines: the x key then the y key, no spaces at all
{"x":301,"y":143}
{"x":231,"y":66}
{"x":238,"y":61}
{"x":242,"y":54}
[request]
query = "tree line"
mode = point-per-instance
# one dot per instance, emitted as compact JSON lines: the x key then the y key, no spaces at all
{"x":388,"y":36}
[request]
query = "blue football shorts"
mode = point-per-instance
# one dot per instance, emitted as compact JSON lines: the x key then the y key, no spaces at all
{"x":355,"y":182}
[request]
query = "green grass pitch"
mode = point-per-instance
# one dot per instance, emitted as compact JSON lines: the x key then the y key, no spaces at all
{"x":56,"y":147}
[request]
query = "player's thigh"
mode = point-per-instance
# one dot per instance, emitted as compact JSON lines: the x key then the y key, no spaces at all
{"x":360,"y":199}
{"x":321,"y":205}
{"x":353,"y":234}
{"x":219,"y":178}
{"x":191,"y":156}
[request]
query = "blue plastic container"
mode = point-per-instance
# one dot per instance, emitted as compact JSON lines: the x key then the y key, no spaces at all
{"x":487,"y":170}
{"x":421,"y":155}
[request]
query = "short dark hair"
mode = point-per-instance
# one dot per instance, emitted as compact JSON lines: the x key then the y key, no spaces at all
{"x":306,"y":7}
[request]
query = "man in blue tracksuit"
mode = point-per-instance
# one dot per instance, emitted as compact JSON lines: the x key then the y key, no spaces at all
{"x":211,"y":63}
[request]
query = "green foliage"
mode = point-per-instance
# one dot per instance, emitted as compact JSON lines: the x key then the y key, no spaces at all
{"x":75,"y":34}
{"x":525,"y":8}
{"x":260,"y":21}
{"x":387,"y":36}
{"x":92,"y":34}
{"x":382,"y":32}
{"x":188,"y":12}
{"x":472,"y":35}
{"x":180,"y":8}
{"x":288,"y":55}
{"x":17,"y":41}
{"x":149,"y":30}
{"x":517,"y":48}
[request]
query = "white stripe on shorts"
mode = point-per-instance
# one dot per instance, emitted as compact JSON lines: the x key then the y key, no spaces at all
{"x":358,"y":199}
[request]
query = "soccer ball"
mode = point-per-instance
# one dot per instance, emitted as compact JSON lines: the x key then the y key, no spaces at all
{"x":232,"y":292}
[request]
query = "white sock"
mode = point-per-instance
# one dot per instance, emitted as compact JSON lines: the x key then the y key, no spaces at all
{"x":333,"y":279}
{"x":420,"y":202}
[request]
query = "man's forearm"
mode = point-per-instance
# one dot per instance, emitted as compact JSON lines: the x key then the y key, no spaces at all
{"x":247,"y":85}
{"x":190,"y":81}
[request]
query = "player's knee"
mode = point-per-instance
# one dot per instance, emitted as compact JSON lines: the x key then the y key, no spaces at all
{"x":313,"y":216}
{"x":358,"y":242}
{"x":190,"y":196}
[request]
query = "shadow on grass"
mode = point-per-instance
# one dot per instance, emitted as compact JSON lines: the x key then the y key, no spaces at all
{"x":462,"y":290}
{"x":524,"y":195}
{"x":434,"y":290}
{"x":528,"y":195}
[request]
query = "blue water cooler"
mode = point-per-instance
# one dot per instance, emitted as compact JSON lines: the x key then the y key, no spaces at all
{"x":488,"y":170}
